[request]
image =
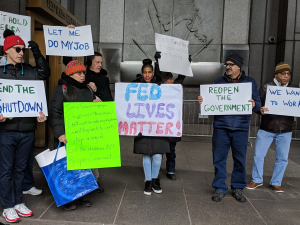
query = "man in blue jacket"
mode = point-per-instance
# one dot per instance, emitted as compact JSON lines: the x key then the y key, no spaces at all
{"x":232,"y":131}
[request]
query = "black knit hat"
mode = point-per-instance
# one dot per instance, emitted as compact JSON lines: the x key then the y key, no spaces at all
{"x":236,"y":59}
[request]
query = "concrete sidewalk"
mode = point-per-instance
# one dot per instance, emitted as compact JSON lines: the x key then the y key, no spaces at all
{"x":184,"y":201}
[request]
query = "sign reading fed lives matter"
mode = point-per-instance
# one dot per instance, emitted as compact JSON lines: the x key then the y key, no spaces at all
{"x":19,"y":24}
{"x":283,"y":101}
{"x":22,"y":98}
{"x":174,"y":55}
{"x":64,"y":41}
{"x":149,"y":109}
{"x":226,"y":99}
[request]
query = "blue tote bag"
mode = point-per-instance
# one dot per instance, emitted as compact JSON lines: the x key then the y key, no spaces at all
{"x":65,"y":185}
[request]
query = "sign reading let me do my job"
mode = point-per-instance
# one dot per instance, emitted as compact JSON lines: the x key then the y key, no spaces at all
{"x":62,"y":41}
{"x":19,"y":24}
{"x":22,"y":98}
{"x":92,"y":134}
{"x":283,"y":101}
{"x":226,"y":99}
{"x":174,"y":55}
{"x":149,"y":109}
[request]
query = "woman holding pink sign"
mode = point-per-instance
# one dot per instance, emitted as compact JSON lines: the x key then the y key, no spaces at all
{"x":152,"y":148}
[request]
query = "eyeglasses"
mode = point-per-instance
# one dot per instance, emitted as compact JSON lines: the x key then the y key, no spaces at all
{"x":229,"y":64}
{"x":18,"y":49}
{"x":285,"y":73}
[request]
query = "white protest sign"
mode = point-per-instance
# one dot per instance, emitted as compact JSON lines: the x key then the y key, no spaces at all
{"x":283,"y":101}
{"x":22,"y":98}
{"x":226,"y":99}
{"x":150,"y":109}
{"x":20,"y":25}
{"x":63,"y":41}
{"x":174,"y":55}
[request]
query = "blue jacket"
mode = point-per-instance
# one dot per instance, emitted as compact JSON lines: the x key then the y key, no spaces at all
{"x":237,"y":122}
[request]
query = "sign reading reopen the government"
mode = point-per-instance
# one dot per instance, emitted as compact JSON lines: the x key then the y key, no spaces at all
{"x":226,"y":99}
{"x":22,"y":98}
{"x":64,"y":41}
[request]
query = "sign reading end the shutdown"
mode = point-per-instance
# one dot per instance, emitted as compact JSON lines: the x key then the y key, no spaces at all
{"x":22,"y":98}
{"x":64,"y":41}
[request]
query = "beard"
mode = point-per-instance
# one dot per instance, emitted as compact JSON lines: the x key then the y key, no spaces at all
{"x":228,"y":72}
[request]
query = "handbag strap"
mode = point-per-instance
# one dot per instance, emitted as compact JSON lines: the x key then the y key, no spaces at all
{"x":56,"y":152}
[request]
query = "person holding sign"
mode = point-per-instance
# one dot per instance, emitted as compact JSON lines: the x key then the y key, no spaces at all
{"x":72,"y":87}
{"x":232,"y":131}
{"x":150,"y":147}
{"x":273,"y":127}
{"x":17,"y":134}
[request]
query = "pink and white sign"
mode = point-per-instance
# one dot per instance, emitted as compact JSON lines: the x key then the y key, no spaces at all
{"x":150,"y":109}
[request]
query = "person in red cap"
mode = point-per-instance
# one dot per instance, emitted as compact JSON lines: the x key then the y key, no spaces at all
{"x":17,"y":134}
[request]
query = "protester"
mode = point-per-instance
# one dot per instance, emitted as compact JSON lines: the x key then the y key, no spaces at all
{"x":273,"y":127}
{"x":150,"y":147}
{"x":232,"y":131}
{"x":167,"y":78}
{"x":72,"y":87}
{"x":17,"y":134}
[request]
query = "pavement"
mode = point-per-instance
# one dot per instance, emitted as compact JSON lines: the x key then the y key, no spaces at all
{"x":184,"y":201}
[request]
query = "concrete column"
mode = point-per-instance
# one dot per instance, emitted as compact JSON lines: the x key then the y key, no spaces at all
{"x":236,"y":21}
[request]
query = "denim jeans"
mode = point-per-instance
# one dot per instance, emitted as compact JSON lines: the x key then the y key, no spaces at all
{"x":28,"y":175}
{"x":223,"y":139}
{"x":262,"y":143}
{"x":170,"y":163}
{"x":14,"y":153}
{"x":151,"y":171}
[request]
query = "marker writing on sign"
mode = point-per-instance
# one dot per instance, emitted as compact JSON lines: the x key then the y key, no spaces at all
{"x":21,"y":107}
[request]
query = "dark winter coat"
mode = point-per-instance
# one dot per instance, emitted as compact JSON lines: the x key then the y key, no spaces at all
{"x":150,"y":145}
{"x":101,"y":82}
{"x":274,"y":123}
{"x":56,"y":108}
{"x":237,"y":122}
{"x":14,"y":72}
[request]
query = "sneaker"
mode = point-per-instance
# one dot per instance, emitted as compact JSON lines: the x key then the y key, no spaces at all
{"x":171,"y":176}
{"x":276,"y":188}
{"x":100,"y":189}
{"x":239,"y":196}
{"x":156,"y":186}
{"x":148,"y":187}
{"x":253,"y":185}
{"x":23,"y":211}
{"x":217,"y":197}
{"x":33,"y":191}
{"x":11,"y":215}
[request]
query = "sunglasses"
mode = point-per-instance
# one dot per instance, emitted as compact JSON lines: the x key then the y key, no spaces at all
{"x":18,"y":49}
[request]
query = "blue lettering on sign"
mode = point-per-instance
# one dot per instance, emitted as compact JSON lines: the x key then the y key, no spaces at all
{"x":52,"y":44}
{"x":128,"y":90}
{"x":74,"y":33}
{"x":158,"y":92}
{"x":277,"y":92}
{"x":142,"y":97}
{"x":54,"y":32}
{"x":293,"y":92}
{"x":274,"y":103}
{"x":290,"y":103}
{"x":21,"y":107}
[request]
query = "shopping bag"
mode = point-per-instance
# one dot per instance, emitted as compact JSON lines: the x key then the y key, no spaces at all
{"x":65,"y":185}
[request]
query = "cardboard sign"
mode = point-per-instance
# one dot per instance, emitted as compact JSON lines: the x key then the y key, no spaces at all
{"x":283,"y":101}
{"x":226,"y":99}
{"x":174,"y":55}
{"x":19,"y":24}
{"x":92,"y":135}
{"x":149,"y":109}
{"x":22,"y":98}
{"x":63,"y":41}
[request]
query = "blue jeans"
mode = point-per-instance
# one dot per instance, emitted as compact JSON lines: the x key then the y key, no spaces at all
{"x":28,"y":175}
{"x":262,"y":143}
{"x":170,"y":163}
{"x":151,"y":172}
{"x":14,"y":153}
{"x":223,"y":139}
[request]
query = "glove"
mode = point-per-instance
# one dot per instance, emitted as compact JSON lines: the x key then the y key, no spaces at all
{"x":34,"y":46}
{"x":157,"y":56}
{"x":190,"y":58}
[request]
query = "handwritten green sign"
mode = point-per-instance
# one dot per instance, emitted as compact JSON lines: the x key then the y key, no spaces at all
{"x":92,"y":134}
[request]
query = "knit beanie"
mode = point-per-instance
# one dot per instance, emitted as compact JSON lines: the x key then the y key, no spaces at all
{"x":282,"y":67}
{"x":74,"y":67}
{"x":236,"y":59}
{"x":11,"y":40}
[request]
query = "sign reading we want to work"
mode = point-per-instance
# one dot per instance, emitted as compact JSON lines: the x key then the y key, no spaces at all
{"x":64,"y":41}
{"x":226,"y":99}
{"x":283,"y":101}
{"x":22,"y":98}
{"x":149,"y":109}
